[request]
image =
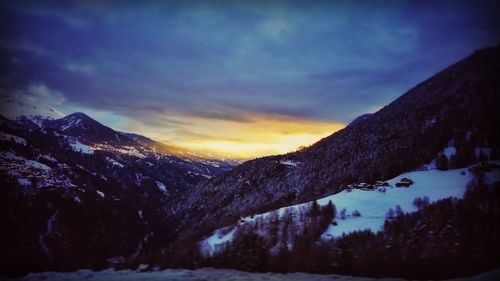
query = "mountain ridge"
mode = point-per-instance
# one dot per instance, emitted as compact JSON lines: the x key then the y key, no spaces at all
{"x":80,"y":125}
{"x":91,"y":132}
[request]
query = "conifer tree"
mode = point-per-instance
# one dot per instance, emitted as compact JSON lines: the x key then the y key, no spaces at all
{"x":442,"y":162}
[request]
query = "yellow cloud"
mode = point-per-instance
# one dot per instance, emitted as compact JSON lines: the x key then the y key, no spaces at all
{"x":260,"y":136}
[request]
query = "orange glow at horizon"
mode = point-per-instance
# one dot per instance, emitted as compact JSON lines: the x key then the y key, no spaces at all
{"x":259,"y":135}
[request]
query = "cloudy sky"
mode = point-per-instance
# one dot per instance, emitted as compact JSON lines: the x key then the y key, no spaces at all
{"x":240,"y":78}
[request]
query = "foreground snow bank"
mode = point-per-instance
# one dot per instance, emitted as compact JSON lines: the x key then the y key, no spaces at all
{"x":209,"y":274}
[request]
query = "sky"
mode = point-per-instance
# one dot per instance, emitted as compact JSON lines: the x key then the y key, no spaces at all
{"x":238,"y":79}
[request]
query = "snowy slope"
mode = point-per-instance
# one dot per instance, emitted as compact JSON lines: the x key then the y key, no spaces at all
{"x":210,"y":274}
{"x":11,"y":138}
{"x":373,"y":205}
{"x":31,"y":172}
{"x":80,"y":147}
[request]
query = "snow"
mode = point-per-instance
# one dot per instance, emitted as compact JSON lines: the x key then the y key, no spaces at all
{"x":77,"y":200}
{"x":80,"y":147}
{"x":12,"y":138}
{"x":484,"y":150}
{"x":139,"y":213}
{"x":161,"y":186}
{"x":130,"y":150}
{"x":192,"y":174}
{"x":429,"y":123}
{"x":100,"y":193}
{"x":24,"y":171}
{"x":208,"y":274}
{"x":430,"y":166}
{"x":449,"y":151}
{"x":289,"y":163}
{"x":127,"y":150}
{"x":9,"y":155}
{"x":37,"y":165}
{"x":372,"y":204}
{"x":50,"y":223}
{"x":24,"y":182}
{"x":12,"y":157}
{"x":11,"y":173}
{"x":220,"y":237}
{"x":74,"y":121}
{"x":212,"y":163}
{"x":116,"y":260}
{"x":47,"y":157}
{"x":139,"y":177}
{"x":114,"y":162}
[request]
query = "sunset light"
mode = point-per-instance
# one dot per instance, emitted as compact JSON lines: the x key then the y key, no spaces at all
{"x":258,"y":137}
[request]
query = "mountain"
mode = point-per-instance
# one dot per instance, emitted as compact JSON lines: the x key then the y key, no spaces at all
{"x":33,"y":122}
{"x":145,"y":141}
{"x":80,"y":193}
{"x":79,"y":134}
{"x":88,"y":130}
{"x":8,"y":125}
{"x":161,"y":147}
{"x":359,"y":207}
{"x":360,"y":119}
{"x":458,"y":107}
{"x":84,"y":132}
{"x":429,"y":224}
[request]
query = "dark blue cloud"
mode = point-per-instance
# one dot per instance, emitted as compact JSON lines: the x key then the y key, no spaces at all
{"x":321,"y":60}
